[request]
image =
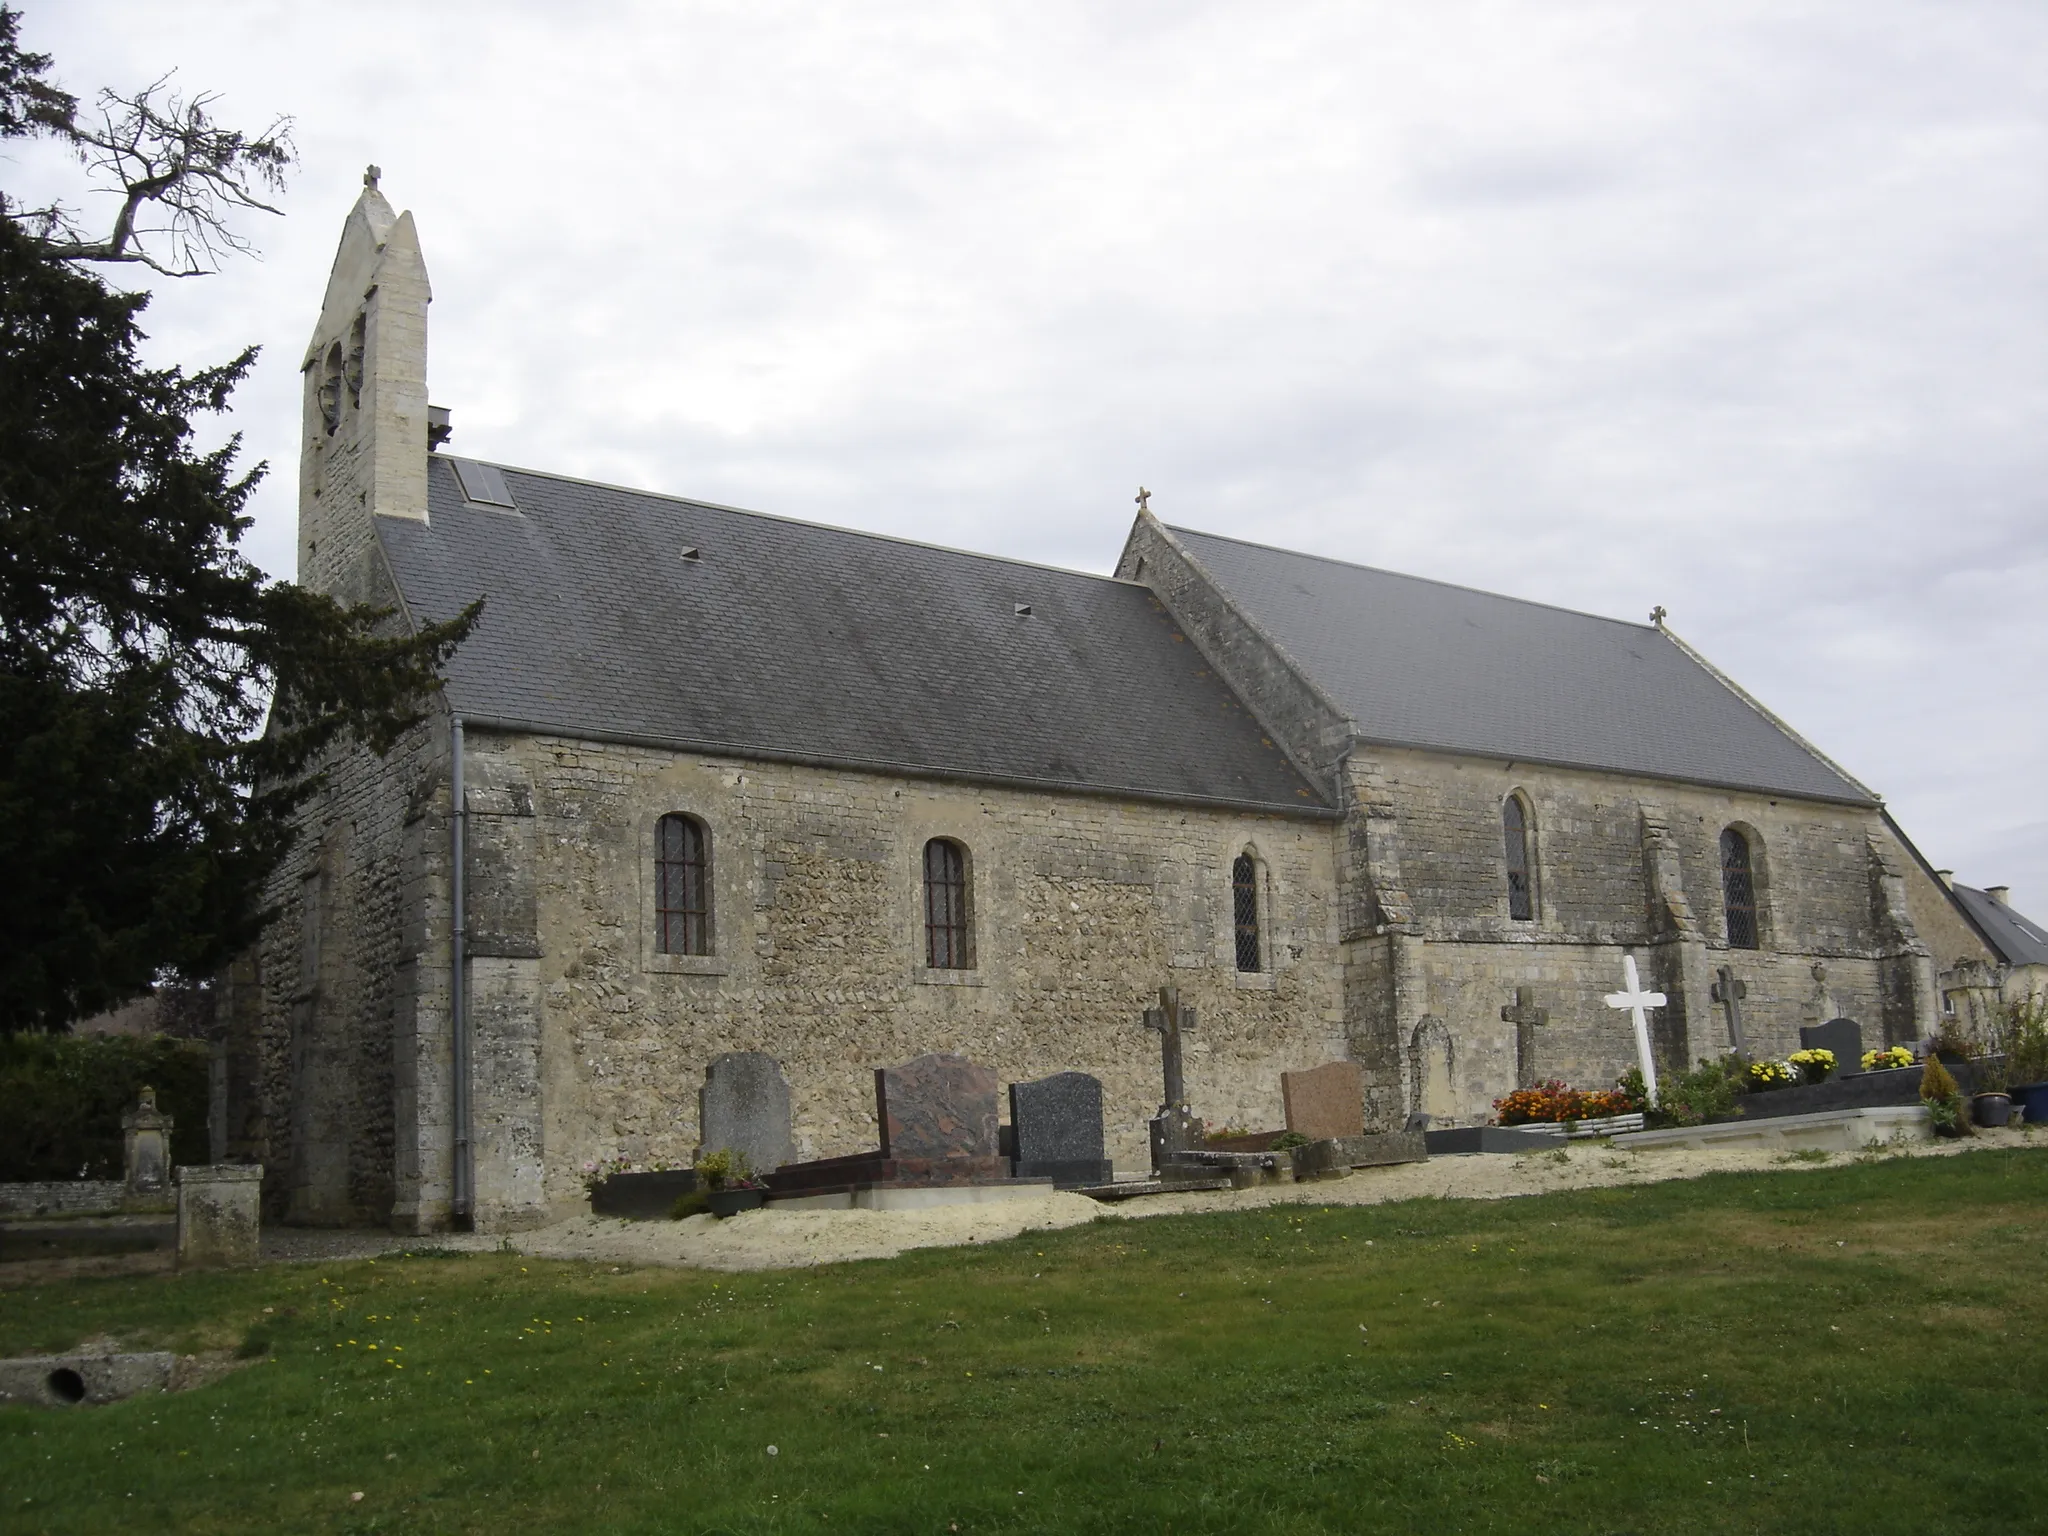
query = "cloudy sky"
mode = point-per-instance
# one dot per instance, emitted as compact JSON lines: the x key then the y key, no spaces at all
{"x":1733,"y":307}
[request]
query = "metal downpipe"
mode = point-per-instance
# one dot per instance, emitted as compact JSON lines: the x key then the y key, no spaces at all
{"x":464,"y":1171}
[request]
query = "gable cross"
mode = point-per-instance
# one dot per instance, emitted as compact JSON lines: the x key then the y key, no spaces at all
{"x":1172,"y":1021}
{"x":1144,"y":499}
{"x":1525,"y":1016}
{"x":1729,"y":993}
{"x":1635,"y":1000}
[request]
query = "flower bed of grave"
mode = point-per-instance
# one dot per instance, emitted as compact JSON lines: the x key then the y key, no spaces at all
{"x":1860,"y":1090}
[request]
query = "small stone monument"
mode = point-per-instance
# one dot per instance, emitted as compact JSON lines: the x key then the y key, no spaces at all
{"x":1729,"y":990}
{"x":1174,"y":1128}
{"x":1527,"y":1018}
{"x":744,"y":1107}
{"x":220,"y":1213}
{"x":1842,"y":1036}
{"x":146,"y":1149}
{"x":1327,"y":1102}
{"x":1056,"y":1124}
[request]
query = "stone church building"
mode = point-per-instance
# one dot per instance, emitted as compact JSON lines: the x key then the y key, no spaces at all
{"x":708,"y":780}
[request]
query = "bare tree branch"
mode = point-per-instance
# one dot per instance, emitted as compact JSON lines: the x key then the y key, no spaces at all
{"x":180,"y":175}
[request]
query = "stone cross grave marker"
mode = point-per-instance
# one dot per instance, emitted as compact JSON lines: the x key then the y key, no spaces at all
{"x":1635,"y":1000}
{"x":1842,"y":1036}
{"x":1057,"y":1122}
{"x":935,"y":1106}
{"x":1174,"y":1128}
{"x":1526,"y":1017}
{"x":1326,"y":1102}
{"x":1172,"y":1021}
{"x":1729,"y":992}
{"x":744,"y":1107}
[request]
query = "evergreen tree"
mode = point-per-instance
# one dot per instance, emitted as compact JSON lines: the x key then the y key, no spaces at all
{"x":144,"y":796}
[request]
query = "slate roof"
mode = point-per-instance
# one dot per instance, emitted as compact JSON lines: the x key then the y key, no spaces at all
{"x":1423,"y":663}
{"x":2018,"y":940}
{"x":797,"y":641}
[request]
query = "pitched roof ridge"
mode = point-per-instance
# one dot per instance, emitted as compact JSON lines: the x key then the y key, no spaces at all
{"x":1769,"y":715}
{"x":794,"y":522}
{"x":1271,"y":641}
{"x":1433,"y":581}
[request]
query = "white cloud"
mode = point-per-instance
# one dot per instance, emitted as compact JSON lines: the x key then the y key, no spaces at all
{"x":1733,"y":307}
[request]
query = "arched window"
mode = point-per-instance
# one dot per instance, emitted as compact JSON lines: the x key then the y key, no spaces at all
{"x":1514,"y":822}
{"x":947,"y":932}
{"x":1244,"y":910}
{"x":682,"y":886}
{"x":330,"y":389}
{"x":1738,"y":890}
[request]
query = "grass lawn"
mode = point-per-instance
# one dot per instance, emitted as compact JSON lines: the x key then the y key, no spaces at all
{"x":1853,"y":1348}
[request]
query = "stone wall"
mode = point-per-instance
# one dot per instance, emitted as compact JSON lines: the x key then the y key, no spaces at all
{"x":1619,"y":865}
{"x":350,"y":1048}
{"x":1082,"y":907}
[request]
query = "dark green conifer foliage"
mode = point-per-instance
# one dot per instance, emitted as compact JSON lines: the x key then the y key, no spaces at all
{"x":143,"y":801}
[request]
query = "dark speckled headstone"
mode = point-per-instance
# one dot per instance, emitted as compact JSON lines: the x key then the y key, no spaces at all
{"x":1842,"y":1036}
{"x":744,"y":1106}
{"x":1056,"y":1124}
{"x":940,"y":1105}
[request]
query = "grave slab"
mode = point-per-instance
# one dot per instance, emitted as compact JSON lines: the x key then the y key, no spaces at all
{"x":897,"y":1197}
{"x":1843,"y":1130}
{"x":744,"y":1107}
{"x":1056,"y":1130}
{"x":1348,"y":1152}
{"x":641,"y":1196}
{"x":1462,"y":1139}
{"x":1325,"y":1102}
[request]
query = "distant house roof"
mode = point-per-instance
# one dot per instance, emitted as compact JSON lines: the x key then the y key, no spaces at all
{"x":625,"y":614}
{"x":1426,"y":664}
{"x":2018,"y":940}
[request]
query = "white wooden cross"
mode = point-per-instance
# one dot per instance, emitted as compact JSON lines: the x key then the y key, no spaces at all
{"x":1635,"y":1000}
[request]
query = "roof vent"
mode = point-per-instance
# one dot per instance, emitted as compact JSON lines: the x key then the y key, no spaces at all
{"x":1023,"y":610}
{"x":692,"y":552}
{"x":483,"y":484}
{"x":439,"y":429}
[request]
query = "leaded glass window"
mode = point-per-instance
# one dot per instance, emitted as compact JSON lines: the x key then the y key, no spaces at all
{"x":682,"y":886}
{"x":1738,"y":890}
{"x":1514,"y":820}
{"x":1244,"y":906}
{"x":946,"y":929}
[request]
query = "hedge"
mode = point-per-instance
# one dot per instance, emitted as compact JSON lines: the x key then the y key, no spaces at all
{"x":62,"y":1098}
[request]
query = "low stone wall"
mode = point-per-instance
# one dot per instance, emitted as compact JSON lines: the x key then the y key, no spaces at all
{"x":61,"y":1197}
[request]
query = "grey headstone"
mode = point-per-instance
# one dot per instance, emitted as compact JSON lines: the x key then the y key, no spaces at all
{"x":744,"y":1107}
{"x":1842,"y":1036}
{"x":1056,"y":1127}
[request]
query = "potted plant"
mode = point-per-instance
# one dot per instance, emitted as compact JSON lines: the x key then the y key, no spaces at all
{"x":1944,"y":1100}
{"x":1766,"y":1075}
{"x":1813,"y":1065}
{"x":2026,"y":1055}
{"x":729,"y":1185}
{"x":1891,"y":1058}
